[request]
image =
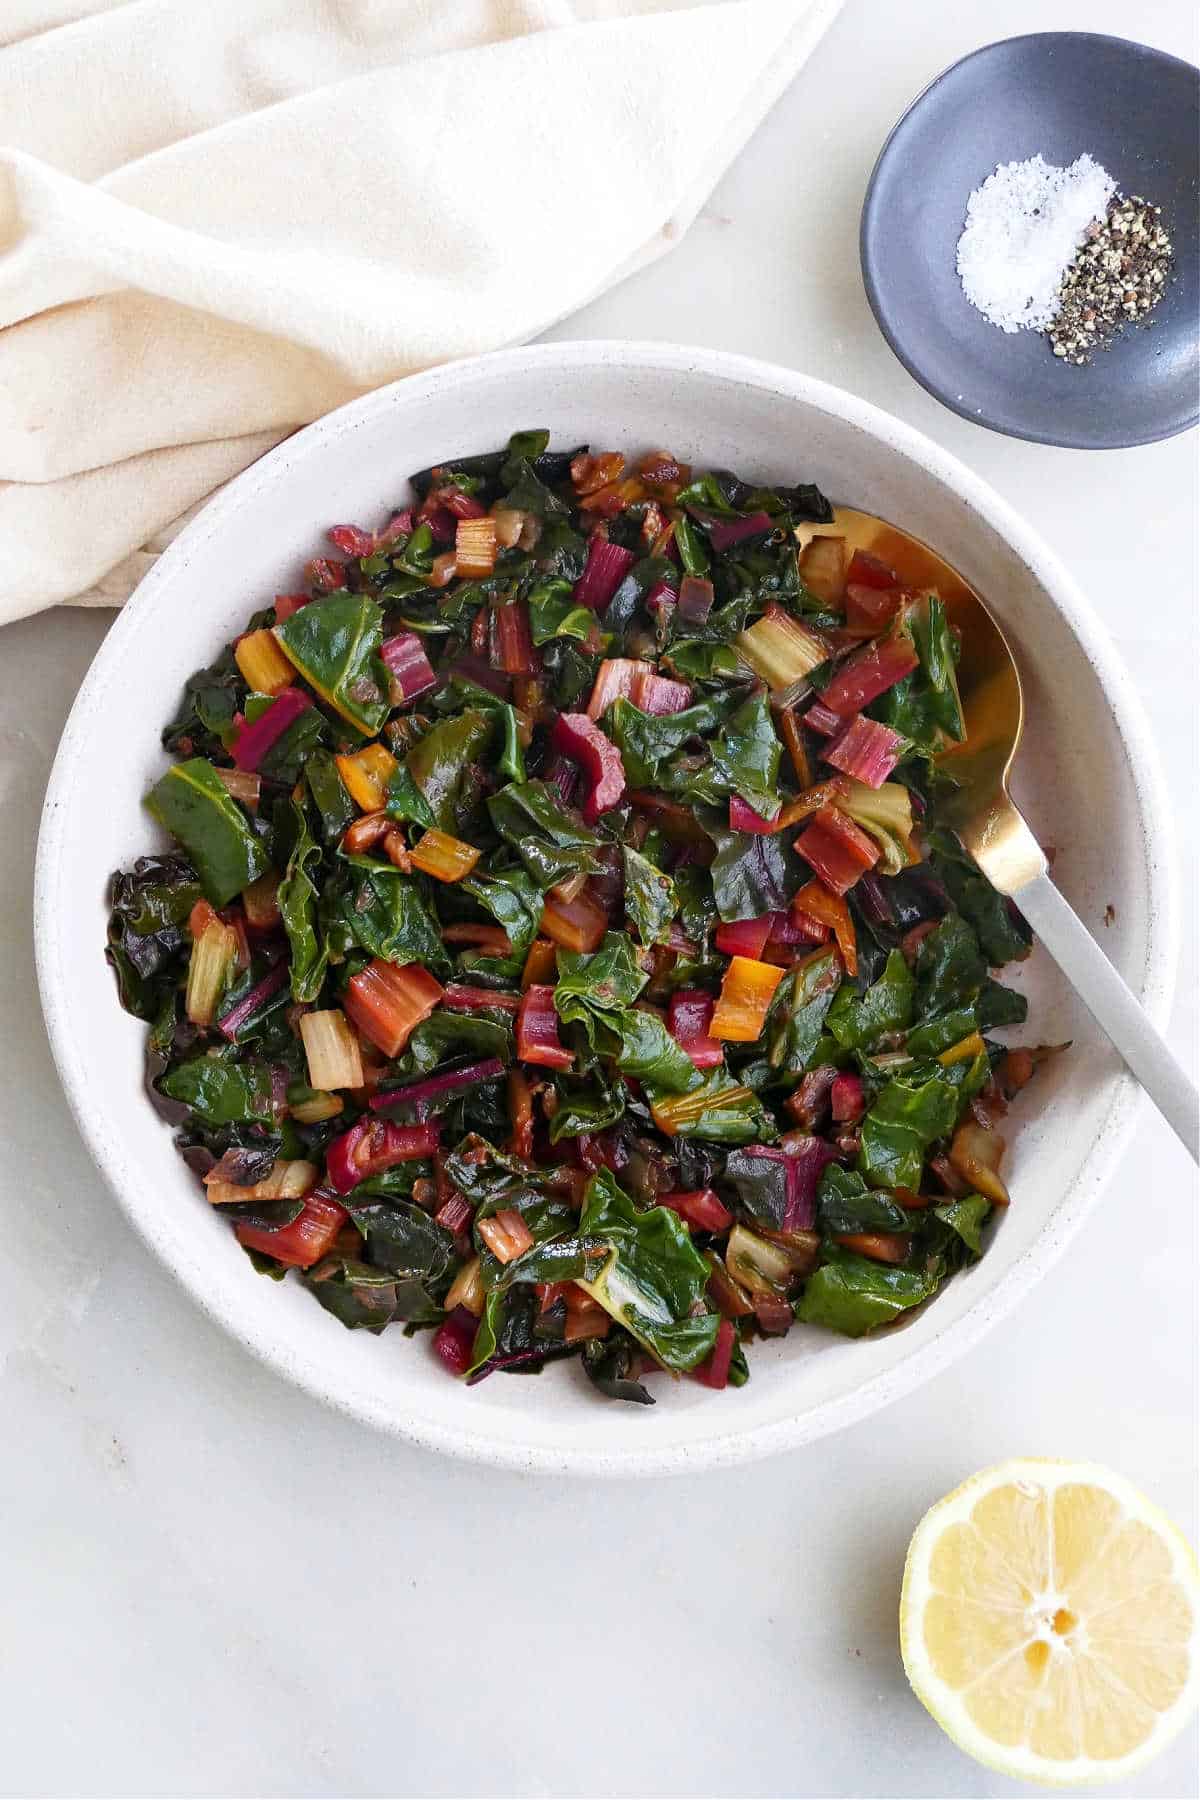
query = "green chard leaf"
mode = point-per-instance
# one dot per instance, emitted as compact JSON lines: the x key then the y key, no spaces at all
{"x":998,"y":1006}
{"x":966,"y":1218}
{"x":429,"y":785}
{"x":514,"y":901}
{"x":608,"y":979}
{"x":859,"y":1021}
{"x":693,"y":553}
{"x":511,"y":761}
{"x":938,"y":651}
{"x":611,"y":1365}
{"x":632,"y":590}
{"x":585,"y":1106}
{"x":761,"y":1184}
{"x":798,"y":1012}
{"x":405,"y":1241}
{"x":845,"y":1203}
{"x":941,"y":1032}
{"x":554,"y":614}
{"x":285,"y":760}
{"x":950,"y":970}
{"x":335,"y":808}
{"x":638,"y":1041}
{"x":751,"y":874}
{"x":491,"y":1179}
{"x":211,"y":697}
{"x":691,"y":659}
{"x":908,"y":1115}
{"x":697,"y":907}
{"x":853,"y":1295}
{"x":514,"y":1332}
{"x":731,"y":1115}
{"x":1003,"y":934}
{"x":570,"y":674}
{"x":527,"y":493}
{"x":523,"y":447}
{"x":386,"y":914}
{"x":648,"y":741}
{"x":367,"y":1299}
{"x":148,"y":939}
{"x":334,"y":643}
{"x":654,"y":1275}
{"x":191,"y":801}
{"x":297,"y":900}
{"x":449,"y":1034}
{"x":650,"y":899}
{"x":551,"y":841}
{"x":559,"y":1251}
{"x":222,"y":1092}
{"x":924,"y":707}
{"x":745,"y":760}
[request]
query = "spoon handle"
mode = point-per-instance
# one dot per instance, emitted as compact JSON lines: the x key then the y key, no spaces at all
{"x":1119,"y":1015}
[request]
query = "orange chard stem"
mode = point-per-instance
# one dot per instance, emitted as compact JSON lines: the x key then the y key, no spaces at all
{"x":263,"y":666}
{"x":793,"y":739}
{"x":444,"y":857}
{"x":520,"y":1113}
{"x":824,"y":793}
{"x":880,"y":1246}
{"x":541,"y":964}
{"x":489,"y":939}
{"x":506,"y":1235}
{"x":746,"y":993}
{"x":259,"y":902}
{"x":586,"y":1318}
{"x":365,"y":776}
{"x":816,"y":901}
{"x":577,"y":925}
{"x":386,"y":1002}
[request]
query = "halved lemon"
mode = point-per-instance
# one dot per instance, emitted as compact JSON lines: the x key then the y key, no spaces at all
{"x":1050,"y":1621}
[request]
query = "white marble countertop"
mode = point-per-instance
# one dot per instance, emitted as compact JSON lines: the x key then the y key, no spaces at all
{"x":212,"y":1586}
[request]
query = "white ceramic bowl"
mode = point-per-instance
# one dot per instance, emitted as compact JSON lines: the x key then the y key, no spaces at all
{"x":1087,"y":779}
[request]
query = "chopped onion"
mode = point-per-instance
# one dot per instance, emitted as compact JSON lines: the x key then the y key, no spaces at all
{"x":287,"y":1181}
{"x":466,"y":1289}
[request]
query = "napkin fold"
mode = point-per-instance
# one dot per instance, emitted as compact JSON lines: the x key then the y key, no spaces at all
{"x":218,"y":222}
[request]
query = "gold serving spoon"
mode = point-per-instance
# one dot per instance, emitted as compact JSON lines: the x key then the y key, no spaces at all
{"x":985,"y":818}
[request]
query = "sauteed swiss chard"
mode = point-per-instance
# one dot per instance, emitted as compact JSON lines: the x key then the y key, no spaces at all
{"x":560,"y":951}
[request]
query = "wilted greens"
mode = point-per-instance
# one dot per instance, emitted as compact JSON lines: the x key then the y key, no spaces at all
{"x":559,"y":951}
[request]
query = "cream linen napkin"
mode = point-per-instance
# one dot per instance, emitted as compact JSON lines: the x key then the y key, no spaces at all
{"x":219,"y":220}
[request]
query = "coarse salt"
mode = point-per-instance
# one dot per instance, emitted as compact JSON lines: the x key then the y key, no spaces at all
{"x":1024,"y":225}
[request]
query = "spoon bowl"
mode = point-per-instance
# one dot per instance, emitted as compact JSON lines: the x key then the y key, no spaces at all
{"x":982,"y":812}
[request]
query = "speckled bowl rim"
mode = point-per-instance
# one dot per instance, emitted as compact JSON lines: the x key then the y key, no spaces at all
{"x":909,"y":1370}
{"x":875,"y":283}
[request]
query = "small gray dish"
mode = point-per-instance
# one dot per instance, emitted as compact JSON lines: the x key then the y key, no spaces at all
{"x":1060,"y":93}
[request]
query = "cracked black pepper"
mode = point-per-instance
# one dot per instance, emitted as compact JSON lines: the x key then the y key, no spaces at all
{"x":1119,"y":274}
